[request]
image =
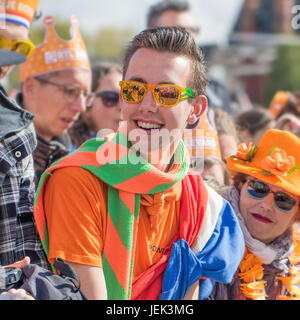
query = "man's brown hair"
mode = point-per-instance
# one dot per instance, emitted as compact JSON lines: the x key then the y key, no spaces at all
{"x":174,"y":40}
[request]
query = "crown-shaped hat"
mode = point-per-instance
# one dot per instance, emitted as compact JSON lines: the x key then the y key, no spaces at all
{"x":55,"y":53}
{"x":202,"y":140}
{"x":18,"y":11}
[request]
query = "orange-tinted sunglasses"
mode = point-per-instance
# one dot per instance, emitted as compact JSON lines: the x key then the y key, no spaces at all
{"x":166,"y":95}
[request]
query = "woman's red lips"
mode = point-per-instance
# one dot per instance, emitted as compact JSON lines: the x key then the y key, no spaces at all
{"x":261,"y":218}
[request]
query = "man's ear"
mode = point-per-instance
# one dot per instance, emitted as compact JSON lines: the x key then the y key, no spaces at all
{"x":29,"y":87}
{"x":199,"y":107}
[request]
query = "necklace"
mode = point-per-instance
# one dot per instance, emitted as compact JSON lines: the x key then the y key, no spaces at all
{"x":252,"y":272}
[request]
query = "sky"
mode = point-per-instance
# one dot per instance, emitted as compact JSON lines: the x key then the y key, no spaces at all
{"x":214,"y":17}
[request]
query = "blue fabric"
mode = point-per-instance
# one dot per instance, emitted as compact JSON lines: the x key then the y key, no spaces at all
{"x":218,"y":260}
{"x":205,"y":288}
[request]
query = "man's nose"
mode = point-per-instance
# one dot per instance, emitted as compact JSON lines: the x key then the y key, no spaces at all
{"x":79,"y":104}
{"x":148,"y":104}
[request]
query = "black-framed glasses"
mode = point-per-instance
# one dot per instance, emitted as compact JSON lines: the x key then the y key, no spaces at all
{"x":109,"y":98}
{"x":259,"y":190}
{"x":70,"y":93}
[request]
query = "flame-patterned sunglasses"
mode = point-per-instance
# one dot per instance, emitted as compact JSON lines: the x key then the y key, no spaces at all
{"x":166,"y":95}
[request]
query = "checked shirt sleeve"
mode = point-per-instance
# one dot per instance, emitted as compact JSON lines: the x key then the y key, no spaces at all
{"x":18,"y":234}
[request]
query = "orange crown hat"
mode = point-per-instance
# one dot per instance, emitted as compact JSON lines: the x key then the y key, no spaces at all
{"x":202,"y":140}
{"x":18,"y":11}
{"x":278,"y":102}
{"x":56,"y":54}
{"x":276,"y":160}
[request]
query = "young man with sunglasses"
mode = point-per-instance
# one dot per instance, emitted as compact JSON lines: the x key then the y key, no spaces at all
{"x":125,"y":209}
{"x":266,"y":199}
{"x":19,"y":240}
{"x":56,"y":82}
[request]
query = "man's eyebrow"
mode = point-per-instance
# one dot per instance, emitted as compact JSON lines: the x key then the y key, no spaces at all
{"x":137,"y":79}
{"x":143,"y":81}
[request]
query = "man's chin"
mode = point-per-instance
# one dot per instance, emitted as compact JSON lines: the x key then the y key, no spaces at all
{"x":58,"y":133}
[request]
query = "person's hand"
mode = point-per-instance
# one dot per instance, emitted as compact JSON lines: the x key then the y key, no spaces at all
{"x":19,"y":264}
{"x":16,"y":294}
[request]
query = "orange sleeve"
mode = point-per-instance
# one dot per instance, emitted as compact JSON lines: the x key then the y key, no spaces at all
{"x":75,"y":206}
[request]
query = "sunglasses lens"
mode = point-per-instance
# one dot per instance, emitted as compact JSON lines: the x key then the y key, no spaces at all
{"x":22,"y":48}
{"x":284,"y":202}
{"x":133,"y":92}
{"x":257,"y":189}
{"x":166,"y":95}
{"x":109,"y":98}
{"x":2,"y":43}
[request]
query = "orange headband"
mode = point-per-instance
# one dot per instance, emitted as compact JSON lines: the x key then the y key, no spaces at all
{"x":18,"y":11}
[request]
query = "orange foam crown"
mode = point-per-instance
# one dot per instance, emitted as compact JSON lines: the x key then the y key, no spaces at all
{"x":18,"y":11}
{"x":55,"y":53}
{"x":202,"y":140}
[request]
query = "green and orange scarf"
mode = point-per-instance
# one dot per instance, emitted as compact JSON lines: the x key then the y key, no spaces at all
{"x":128,"y":176}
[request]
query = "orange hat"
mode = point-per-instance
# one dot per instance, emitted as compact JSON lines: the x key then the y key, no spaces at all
{"x":18,"y":11}
{"x":202,"y":140}
{"x":56,"y":54}
{"x":275,"y":160}
{"x":278,"y":102}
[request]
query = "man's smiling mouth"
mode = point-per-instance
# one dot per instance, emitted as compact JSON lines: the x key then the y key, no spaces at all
{"x":147,"y":125}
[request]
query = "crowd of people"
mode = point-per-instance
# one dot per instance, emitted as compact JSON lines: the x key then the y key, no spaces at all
{"x":145,"y":195}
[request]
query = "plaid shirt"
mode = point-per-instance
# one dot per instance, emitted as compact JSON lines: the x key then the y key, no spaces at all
{"x":18,"y":234}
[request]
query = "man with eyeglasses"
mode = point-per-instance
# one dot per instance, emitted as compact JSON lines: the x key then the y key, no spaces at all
{"x":56,"y":83}
{"x":125,"y":211}
{"x":18,"y":235}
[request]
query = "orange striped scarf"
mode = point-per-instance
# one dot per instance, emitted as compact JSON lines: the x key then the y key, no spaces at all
{"x":128,"y":176}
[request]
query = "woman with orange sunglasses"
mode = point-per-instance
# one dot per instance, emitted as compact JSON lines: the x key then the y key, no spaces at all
{"x":266,"y":198}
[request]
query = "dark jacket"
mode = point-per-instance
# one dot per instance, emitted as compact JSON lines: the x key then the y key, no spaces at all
{"x":19,"y":237}
{"x":47,"y":153}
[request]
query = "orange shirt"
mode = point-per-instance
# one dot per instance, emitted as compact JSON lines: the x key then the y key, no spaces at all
{"x":76,"y":207}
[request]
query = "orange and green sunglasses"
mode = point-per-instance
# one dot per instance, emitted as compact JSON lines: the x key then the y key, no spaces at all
{"x":166,"y":95}
{"x":23,"y":47}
